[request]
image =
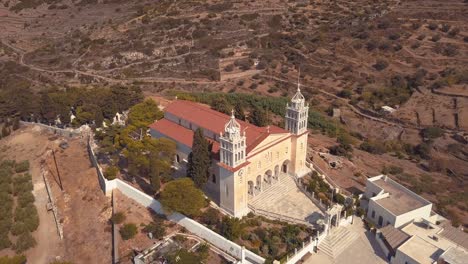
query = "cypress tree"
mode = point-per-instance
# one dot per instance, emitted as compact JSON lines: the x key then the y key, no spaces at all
{"x":199,"y":160}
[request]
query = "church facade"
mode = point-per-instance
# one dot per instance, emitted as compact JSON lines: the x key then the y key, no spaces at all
{"x":246,"y":159}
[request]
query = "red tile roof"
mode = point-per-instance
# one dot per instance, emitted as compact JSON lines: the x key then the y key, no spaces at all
{"x":178,"y":133}
{"x":209,"y":119}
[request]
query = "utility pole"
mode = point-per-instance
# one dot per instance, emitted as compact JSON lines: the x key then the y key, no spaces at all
{"x":58,"y":172}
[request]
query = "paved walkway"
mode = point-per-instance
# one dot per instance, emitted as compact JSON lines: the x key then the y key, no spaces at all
{"x":363,"y":250}
{"x":285,"y":198}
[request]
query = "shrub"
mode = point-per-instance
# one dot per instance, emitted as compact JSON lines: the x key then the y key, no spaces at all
{"x":157,"y":229}
{"x":436,"y":38}
{"x":432,"y":26}
{"x":374,"y":147}
{"x":111,"y":172}
{"x":432,"y":132}
{"x":118,"y":218}
{"x":380,"y":65}
{"x":210,"y":216}
{"x":345,"y":93}
{"x":128,"y":231}
{"x":231,"y":228}
{"x":22,"y":166}
{"x":18,"y":259}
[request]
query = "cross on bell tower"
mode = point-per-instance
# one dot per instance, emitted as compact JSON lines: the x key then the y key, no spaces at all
{"x":232,"y":141}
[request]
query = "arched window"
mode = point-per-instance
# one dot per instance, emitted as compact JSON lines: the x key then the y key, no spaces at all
{"x":373,"y":214}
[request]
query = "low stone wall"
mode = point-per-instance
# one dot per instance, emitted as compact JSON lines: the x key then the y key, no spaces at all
{"x":60,"y":131}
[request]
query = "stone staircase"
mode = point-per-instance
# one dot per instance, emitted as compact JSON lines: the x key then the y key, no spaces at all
{"x":286,"y":202}
{"x":337,"y":241}
{"x":271,"y":193}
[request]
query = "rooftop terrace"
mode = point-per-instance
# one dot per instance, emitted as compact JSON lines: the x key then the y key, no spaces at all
{"x":400,"y":200}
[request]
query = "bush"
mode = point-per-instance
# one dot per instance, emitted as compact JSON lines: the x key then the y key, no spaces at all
{"x":22,"y":166}
{"x":432,"y":132}
{"x":374,"y":147}
{"x":111,"y":172}
{"x":432,"y":26}
{"x":128,"y":231}
{"x":436,"y":38}
{"x":210,"y":217}
{"x":157,"y":229}
{"x":24,"y":242}
{"x":380,"y":65}
{"x":18,"y":259}
{"x":118,"y":218}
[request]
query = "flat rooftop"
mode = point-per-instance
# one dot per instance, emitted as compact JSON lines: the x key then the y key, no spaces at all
{"x":398,"y":202}
{"x":420,"y":250}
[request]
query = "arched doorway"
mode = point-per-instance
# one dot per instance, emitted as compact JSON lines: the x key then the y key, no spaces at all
{"x":250,"y":191}
{"x":285,"y":166}
{"x":268,"y":177}
{"x":258,"y":186}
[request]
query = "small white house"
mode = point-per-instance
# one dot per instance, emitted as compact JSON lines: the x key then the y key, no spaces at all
{"x":390,"y":203}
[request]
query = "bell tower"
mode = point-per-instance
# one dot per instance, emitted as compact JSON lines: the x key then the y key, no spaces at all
{"x":233,"y":147}
{"x":297,"y":113}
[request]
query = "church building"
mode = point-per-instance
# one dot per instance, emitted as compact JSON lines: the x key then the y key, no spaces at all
{"x":246,"y":159}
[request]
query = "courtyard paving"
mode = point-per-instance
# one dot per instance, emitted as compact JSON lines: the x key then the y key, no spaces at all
{"x":364,"y":250}
{"x":286,"y":199}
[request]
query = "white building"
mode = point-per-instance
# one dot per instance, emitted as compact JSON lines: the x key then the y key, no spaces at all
{"x":390,"y":203}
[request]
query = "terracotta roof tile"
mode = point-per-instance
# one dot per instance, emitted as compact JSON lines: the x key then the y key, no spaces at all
{"x":209,"y":119}
{"x":179,"y":133}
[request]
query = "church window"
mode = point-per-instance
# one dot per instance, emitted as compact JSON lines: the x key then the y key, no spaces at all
{"x":213,"y":178}
{"x":286,"y":150}
{"x":373,"y":214}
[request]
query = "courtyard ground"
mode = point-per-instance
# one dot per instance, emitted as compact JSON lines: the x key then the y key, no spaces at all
{"x":363,"y":250}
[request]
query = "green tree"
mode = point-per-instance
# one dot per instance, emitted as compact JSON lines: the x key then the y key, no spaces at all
{"x":220,"y":104}
{"x":155,"y":173}
{"x":145,"y":113}
{"x":259,"y":117}
{"x":183,"y":196}
{"x":239,"y":111}
{"x":199,"y":160}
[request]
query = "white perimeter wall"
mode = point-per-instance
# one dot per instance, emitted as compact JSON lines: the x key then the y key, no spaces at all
{"x":192,"y":226}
